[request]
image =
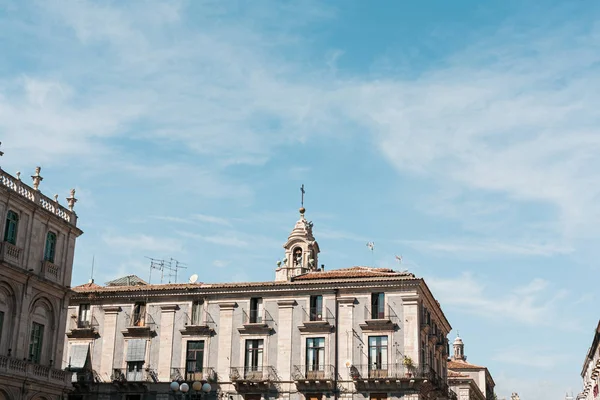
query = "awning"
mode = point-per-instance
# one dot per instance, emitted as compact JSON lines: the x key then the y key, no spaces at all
{"x":78,"y":356}
{"x":136,"y":350}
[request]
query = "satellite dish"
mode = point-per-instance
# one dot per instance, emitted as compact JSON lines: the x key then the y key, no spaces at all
{"x":193,"y":278}
{"x":348,"y":364}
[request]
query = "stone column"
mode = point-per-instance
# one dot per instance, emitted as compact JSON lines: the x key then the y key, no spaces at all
{"x":224,"y":362}
{"x":284,"y":338}
{"x":345,"y":335}
{"x":412,"y":327}
{"x":108,"y":340}
{"x":165,"y":346}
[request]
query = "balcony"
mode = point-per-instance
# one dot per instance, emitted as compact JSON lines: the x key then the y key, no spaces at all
{"x":82,"y":329}
{"x":317,"y":320}
{"x":140,"y":326}
{"x":202,"y":325}
{"x":256,"y":322}
{"x":51,"y":271}
{"x":25,"y":369}
{"x":122,"y":375}
{"x":398,"y":377}
{"x":314,"y":377}
{"x":206,"y":374}
{"x":10,"y":254}
{"x":384,"y":319}
{"x":247,"y":379}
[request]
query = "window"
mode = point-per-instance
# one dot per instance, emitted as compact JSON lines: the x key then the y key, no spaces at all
{"x":315,"y":356}
{"x":10,"y":232}
{"x":136,"y":355}
{"x":254,"y":355}
{"x":135,"y":371}
{"x":139,"y":314}
{"x":84,"y":316}
{"x":256,"y":307}
{"x":316,"y":308}
{"x":194,"y":358}
{"x":35,"y":343}
{"x":378,"y":356}
{"x":377,"y":305}
{"x":50,"y":248}
{"x":197,"y":312}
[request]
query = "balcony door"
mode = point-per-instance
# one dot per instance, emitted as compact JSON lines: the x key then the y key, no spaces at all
{"x":315,"y":357}
{"x":253,"y":363}
{"x":316,"y":308}
{"x":256,"y":310}
{"x":378,"y":356}
{"x":194,"y":360}
{"x":84,"y":316}
{"x":377,"y":306}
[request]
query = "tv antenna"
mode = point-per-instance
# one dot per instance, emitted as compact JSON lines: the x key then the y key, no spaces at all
{"x":168,"y":269}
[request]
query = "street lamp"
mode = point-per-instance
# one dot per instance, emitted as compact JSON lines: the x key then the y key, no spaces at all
{"x":184,"y":388}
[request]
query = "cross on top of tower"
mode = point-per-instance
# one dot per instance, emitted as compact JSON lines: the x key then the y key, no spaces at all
{"x":302,"y":191}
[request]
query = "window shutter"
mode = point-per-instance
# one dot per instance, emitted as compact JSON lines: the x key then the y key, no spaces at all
{"x":78,"y":355}
{"x":136,"y":350}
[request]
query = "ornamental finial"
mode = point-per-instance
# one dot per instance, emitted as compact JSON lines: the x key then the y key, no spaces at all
{"x":18,"y":175}
{"x":37,"y":178}
{"x":56,"y":198}
{"x":1,"y":152}
{"x":71,"y":200}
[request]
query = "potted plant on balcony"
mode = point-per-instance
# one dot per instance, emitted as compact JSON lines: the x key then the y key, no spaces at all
{"x":408,"y":363}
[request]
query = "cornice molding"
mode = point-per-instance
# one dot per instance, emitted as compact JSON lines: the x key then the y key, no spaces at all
{"x":228,"y":306}
{"x":169,"y":307}
{"x":111,"y":309}
{"x":286,"y":303}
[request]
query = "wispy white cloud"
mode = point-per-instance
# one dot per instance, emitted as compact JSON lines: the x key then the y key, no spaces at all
{"x":479,"y":248}
{"x":529,"y":304}
{"x":142,"y":243}
{"x":211,"y":219}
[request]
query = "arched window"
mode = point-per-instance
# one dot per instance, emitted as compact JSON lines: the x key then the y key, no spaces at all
{"x":50,"y":249}
{"x":10,"y":231}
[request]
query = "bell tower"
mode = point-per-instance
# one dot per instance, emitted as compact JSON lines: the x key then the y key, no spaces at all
{"x":301,"y":250}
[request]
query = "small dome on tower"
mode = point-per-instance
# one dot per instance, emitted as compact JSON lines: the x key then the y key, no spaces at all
{"x":458,"y":340}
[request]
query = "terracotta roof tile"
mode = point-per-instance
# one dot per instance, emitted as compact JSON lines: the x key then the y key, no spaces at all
{"x":454,"y":374}
{"x":460,"y":364}
{"x":86,"y":288}
{"x":353,"y":272}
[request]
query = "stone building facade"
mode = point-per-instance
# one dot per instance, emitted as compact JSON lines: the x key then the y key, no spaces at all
{"x":590,"y":372}
{"x":468,"y":381}
{"x":36,"y":258}
{"x":309,"y":334}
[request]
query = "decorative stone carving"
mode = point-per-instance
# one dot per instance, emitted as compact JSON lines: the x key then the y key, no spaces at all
{"x":71,"y":200}
{"x":37,"y":178}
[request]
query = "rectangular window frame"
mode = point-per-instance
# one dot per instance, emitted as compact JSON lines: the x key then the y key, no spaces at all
{"x":378,"y":305}
{"x":11,"y":228}
{"x":194,"y":357}
{"x":36,"y":341}
{"x":138,"y":317}
{"x":316,"y":308}
{"x":378,"y":352}
{"x":254,"y":353}
{"x":256,"y":310}
{"x":84,"y":317}
{"x":50,"y":247}
{"x":197,"y":312}
{"x":315,"y":355}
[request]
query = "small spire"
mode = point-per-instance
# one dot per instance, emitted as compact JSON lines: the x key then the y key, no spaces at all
{"x":37,"y":178}
{"x":71,"y":200}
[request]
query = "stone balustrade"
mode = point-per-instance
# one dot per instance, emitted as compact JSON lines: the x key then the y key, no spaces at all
{"x":22,"y":368}
{"x":51,"y":271}
{"x":37,"y":197}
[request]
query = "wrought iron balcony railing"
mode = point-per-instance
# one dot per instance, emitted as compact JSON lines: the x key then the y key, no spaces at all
{"x":193,"y":374}
{"x":318,"y":314}
{"x":252,"y":373}
{"x":383,"y":371}
{"x":313,"y":372}
{"x":380,"y":313}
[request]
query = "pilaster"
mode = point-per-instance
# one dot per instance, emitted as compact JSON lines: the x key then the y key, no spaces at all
{"x":345,"y":335}
{"x":284,"y":338}
{"x":165,"y":347}
{"x":108,"y":339}
{"x":225,"y":338}
{"x":412,"y":327}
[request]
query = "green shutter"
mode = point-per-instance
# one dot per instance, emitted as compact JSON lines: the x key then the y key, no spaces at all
{"x":10,"y":232}
{"x":50,"y":248}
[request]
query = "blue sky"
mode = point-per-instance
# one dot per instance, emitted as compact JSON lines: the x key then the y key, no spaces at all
{"x":461,"y":135}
